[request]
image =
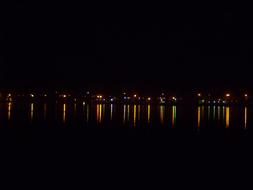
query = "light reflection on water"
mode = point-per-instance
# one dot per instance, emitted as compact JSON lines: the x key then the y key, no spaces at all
{"x":199,"y":115}
{"x":162,"y":107}
{"x":148,"y":113}
{"x":134,"y":115}
{"x":174,"y":115}
{"x":227,"y":117}
{"x":32,"y":110}
{"x":131,"y":115}
{"x":64,"y":113}
{"x":9,"y":110}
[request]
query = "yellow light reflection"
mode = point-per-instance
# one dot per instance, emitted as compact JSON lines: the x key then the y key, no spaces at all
{"x":32,"y":108}
{"x":199,"y":115}
{"x":111,"y":111}
{"x":64,"y":113}
{"x":128,"y":112}
{"x":162,"y":114}
{"x":9,"y":110}
{"x":245,"y":117}
{"x":227,"y":117}
{"x":99,"y":113}
{"x":148,"y":113}
{"x":174,"y":115}
{"x":124,"y":114}
{"x":134,"y":115}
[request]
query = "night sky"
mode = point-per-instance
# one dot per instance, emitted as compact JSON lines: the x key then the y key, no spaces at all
{"x":126,"y":45}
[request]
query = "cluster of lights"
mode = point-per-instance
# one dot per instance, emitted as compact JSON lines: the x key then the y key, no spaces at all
{"x":162,"y":99}
{"x":227,"y":99}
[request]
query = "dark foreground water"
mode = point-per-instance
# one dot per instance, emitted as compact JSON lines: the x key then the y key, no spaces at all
{"x":69,"y":123}
{"x":181,"y":140}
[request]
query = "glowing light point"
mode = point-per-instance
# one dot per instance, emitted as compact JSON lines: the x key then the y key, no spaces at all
{"x":149,"y":98}
{"x":135,"y":95}
{"x":228,"y":95}
{"x":32,"y":95}
{"x":199,"y":94}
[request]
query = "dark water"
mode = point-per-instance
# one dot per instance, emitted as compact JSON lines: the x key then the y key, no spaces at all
{"x":38,"y":120}
{"x":143,"y":140}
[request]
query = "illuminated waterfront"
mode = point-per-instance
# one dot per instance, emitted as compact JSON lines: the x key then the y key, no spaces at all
{"x":125,"y":115}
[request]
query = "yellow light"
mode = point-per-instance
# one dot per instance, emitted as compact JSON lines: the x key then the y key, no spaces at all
{"x":148,"y":113}
{"x":149,"y":98}
{"x":199,"y":115}
{"x":134,"y":115}
{"x":227,"y":117}
{"x":64,"y":113}
{"x":9,"y":111}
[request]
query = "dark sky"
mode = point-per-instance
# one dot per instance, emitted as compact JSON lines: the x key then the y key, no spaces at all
{"x":126,"y":45}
